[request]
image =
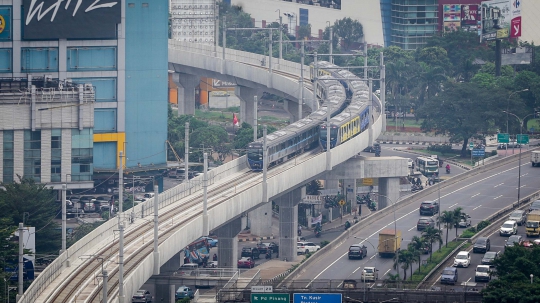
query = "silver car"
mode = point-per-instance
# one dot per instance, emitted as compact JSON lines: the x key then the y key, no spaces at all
{"x":520,"y":216}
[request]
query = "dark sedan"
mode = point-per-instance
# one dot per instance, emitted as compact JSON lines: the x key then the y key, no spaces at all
{"x":489,"y":257}
{"x":424,"y":223}
{"x":482,"y":244}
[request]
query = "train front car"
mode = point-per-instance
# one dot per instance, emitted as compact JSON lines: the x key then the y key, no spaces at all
{"x":255,"y":155}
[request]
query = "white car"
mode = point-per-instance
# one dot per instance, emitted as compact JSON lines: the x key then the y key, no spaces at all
{"x":463,"y":259}
{"x":483,"y":273}
{"x":370,"y":274}
{"x":410,"y":163}
{"x":142,"y":296}
{"x":307,"y":247}
{"x":508,"y":228}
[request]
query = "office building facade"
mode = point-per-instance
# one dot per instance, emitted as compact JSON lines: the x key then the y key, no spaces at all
{"x":116,"y":48}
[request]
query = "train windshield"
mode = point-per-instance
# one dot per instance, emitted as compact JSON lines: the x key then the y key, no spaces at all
{"x":323,"y":134}
{"x":255,"y":154}
{"x":333,"y":133}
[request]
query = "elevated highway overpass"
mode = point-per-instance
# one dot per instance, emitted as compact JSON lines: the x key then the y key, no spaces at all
{"x":233,"y":190}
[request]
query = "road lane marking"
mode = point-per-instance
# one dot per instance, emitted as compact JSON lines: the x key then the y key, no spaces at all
{"x":387,"y":272}
{"x":497,"y":197}
{"x":521,"y":186}
{"x":475,"y":195}
{"x":452,"y":205}
{"x":476,"y":207}
{"x":412,"y":228}
{"x":469,"y":280}
{"x":413,"y":211}
{"x":372,"y":257}
{"x":524,"y":174}
{"x":498,"y":185}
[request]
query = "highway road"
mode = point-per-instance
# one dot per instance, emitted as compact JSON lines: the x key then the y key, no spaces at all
{"x":479,"y":196}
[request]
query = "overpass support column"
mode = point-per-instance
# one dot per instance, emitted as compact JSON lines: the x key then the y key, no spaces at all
{"x":246,"y":96}
{"x":172,"y":265}
{"x":186,"y":94}
{"x":288,"y":222}
{"x":331,"y":184}
{"x":228,"y":243}
{"x":389,"y":191}
{"x":291,"y":110}
{"x":261,"y":220}
{"x":350,"y":194}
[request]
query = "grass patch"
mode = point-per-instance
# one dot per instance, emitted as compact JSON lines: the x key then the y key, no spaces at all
{"x":219,"y":116}
{"x":409,"y":122}
{"x":534,"y":123}
{"x":436,"y":258}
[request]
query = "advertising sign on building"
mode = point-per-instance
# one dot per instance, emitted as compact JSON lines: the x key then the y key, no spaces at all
{"x":5,"y":23}
{"x":451,"y":17}
{"x":82,"y":19}
{"x":501,"y":19}
{"x":470,"y":17}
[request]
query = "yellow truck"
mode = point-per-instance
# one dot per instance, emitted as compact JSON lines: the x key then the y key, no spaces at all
{"x":533,"y":222}
{"x":389,"y":242}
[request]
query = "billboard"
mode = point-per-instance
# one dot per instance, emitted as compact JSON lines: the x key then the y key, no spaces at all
{"x":5,"y":23}
{"x":501,"y":19}
{"x":82,"y":19}
{"x":470,"y":17}
{"x":451,"y":12}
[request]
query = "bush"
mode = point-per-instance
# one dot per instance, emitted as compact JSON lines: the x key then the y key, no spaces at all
{"x":324,"y":243}
{"x":493,"y":152}
{"x":482,"y":224}
{"x":468,"y":233}
{"x":443,"y":149}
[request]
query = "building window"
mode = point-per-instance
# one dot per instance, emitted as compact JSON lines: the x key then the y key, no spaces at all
{"x":91,"y":58}
{"x":105,"y":88}
{"x":39,"y":59}
{"x":5,"y":60}
{"x":82,"y":157}
{"x":8,"y":173}
{"x":32,"y":155}
{"x":56,"y":155}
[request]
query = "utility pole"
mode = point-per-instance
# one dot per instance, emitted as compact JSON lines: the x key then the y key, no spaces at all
{"x":301,"y":80}
{"x":254,"y":118}
{"x":64,"y":187}
{"x":186,"y":151}
{"x":21,"y":262}
{"x":156,"y":229}
{"x":280,"y":39}
{"x":265,"y":165}
{"x":205,"y":196}
{"x":120,"y":186}
{"x":365,"y":60}
{"x":331,"y":44}
{"x":383,"y":90}
{"x":121,"y":296}
{"x":105,"y":281}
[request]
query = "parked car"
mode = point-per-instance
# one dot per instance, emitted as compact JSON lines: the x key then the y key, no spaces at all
{"x":263,"y":247}
{"x":212,"y":264}
{"x":211,"y":241}
{"x":464,"y":221}
{"x":357,"y":251}
{"x":307,"y":247}
{"x":246,"y":262}
{"x":424,"y":223}
{"x":462,"y":259}
{"x":184,"y":292}
{"x":514,"y":240}
{"x":103,"y":199}
{"x":142,"y":296}
{"x":251,"y":252}
{"x":482,"y":244}
{"x":410,"y":163}
{"x":520,"y":216}
{"x":483,"y":273}
{"x":489,"y":257}
{"x":429,"y":208}
{"x":449,"y":275}
{"x":372,"y":149}
{"x":508,"y":228}
{"x":370,"y":274}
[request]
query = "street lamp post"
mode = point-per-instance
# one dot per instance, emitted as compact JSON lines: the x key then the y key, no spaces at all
{"x":521,"y":121}
{"x":507,"y":109}
{"x":364,"y":276}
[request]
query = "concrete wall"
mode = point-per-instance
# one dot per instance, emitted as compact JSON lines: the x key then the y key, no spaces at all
{"x":368,"y":12}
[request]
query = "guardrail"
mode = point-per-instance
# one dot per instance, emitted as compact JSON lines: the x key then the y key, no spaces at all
{"x":372,"y":218}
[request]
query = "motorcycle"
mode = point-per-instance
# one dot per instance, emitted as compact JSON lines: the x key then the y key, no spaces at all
{"x":347,"y":224}
{"x":268,"y":254}
{"x":448,"y":170}
{"x":377,"y":153}
{"x":317,"y":233}
{"x":372,"y":206}
{"x":415,"y":188}
{"x":299,"y":232}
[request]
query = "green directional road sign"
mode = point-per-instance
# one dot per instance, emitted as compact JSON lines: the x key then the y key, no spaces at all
{"x":270,"y":298}
{"x":503,"y":138}
{"x":523,"y":139}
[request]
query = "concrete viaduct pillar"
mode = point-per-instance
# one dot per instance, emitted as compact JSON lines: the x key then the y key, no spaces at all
{"x":350,"y":194}
{"x":186,"y":92}
{"x":261,"y":220}
{"x":288,"y":222}
{"x":292,"y":109}
{"x":228,"y":243}
{"x":246,"y":96}
{"x":173,"y":264}
{"x":389,"y":191}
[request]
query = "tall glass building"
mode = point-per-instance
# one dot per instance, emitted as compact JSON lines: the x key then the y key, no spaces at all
{"x":412,"y":22}
{"x":118,"y":51}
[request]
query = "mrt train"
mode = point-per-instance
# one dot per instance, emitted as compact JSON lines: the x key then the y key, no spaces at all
{"x":303,"y":134}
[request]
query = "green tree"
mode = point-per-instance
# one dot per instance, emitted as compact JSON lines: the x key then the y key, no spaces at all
{"x":403,"y":259}
{"x":463,"y":111}
{"x":8,"y":253}
{"x":447,"y":218}
{"x":415,"y":256}
{"x":33,"y":204}
{"x":457,"y":213}
{"x":349,"y":31}
{"x":417,"y":244}
{"x":313,"y":187}
{"x":432,"y":235}
{"x":433,"y":56}
{"x":244,"y":135}
{"x":208,"y":137}
{"x":304,"y":32}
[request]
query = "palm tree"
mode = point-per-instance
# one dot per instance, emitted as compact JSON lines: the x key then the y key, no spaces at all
{"x":418,"y":244}
{"x":405,"y":259}
{"x":415,"y":256}
{"x":447,"y":218}
{"x":457,"y":214}
{"x":432,"y":235}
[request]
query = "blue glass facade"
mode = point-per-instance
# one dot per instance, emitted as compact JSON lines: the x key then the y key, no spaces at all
{"x":146,"y":81}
